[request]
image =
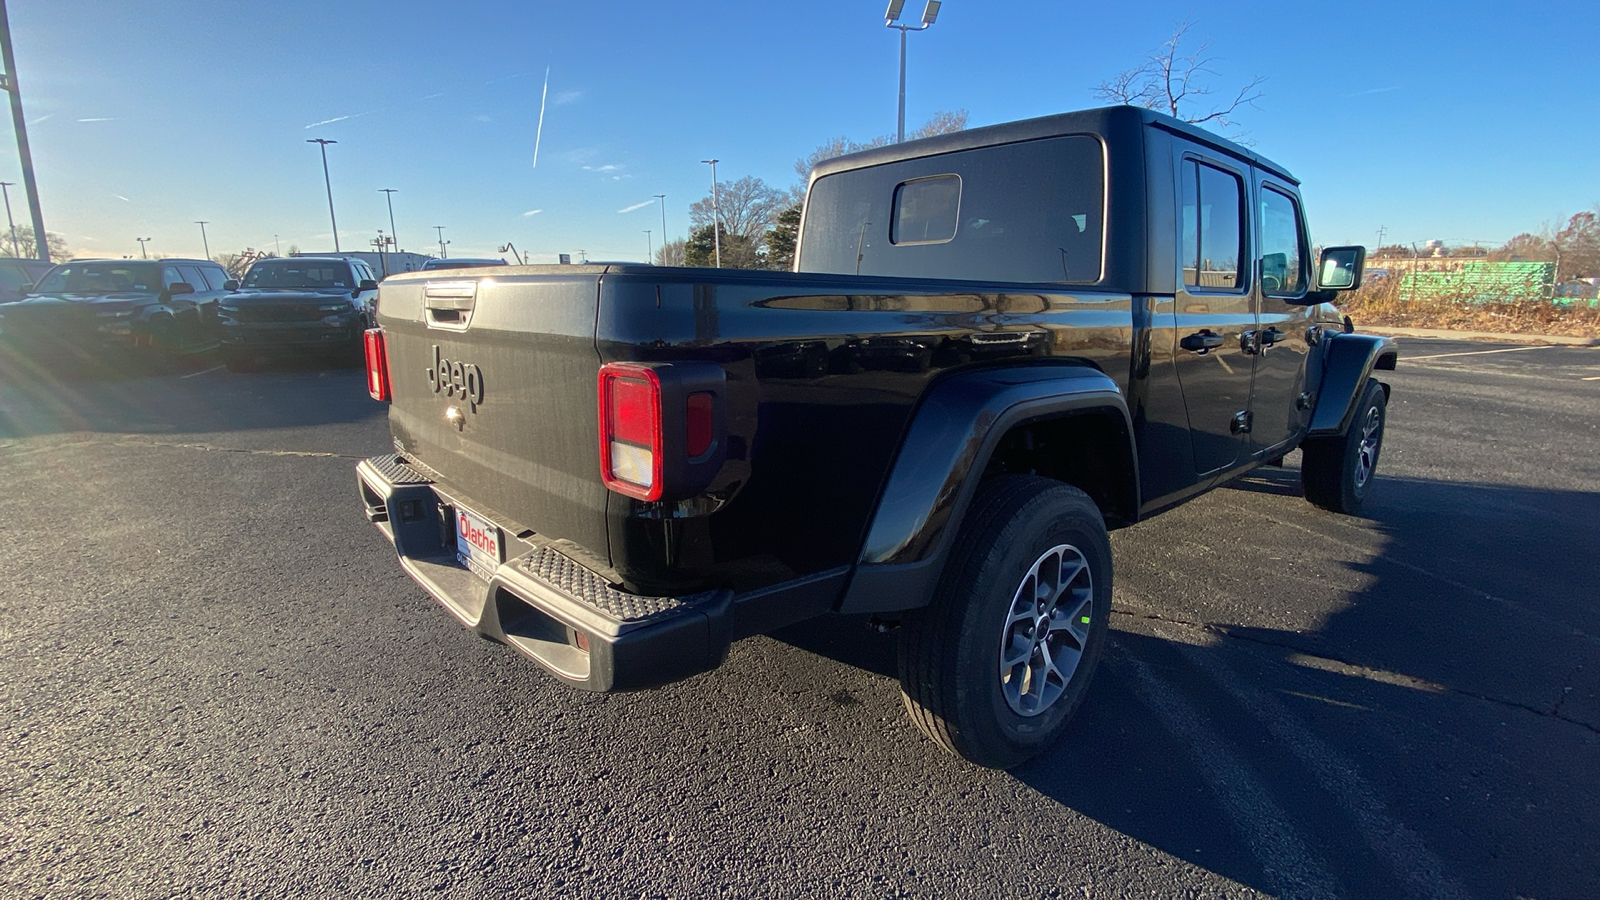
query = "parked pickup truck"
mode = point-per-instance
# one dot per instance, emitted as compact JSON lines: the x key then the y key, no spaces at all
{"x":996,"y":345}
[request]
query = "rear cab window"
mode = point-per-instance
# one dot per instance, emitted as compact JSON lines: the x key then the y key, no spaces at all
{"x":961,"y":216}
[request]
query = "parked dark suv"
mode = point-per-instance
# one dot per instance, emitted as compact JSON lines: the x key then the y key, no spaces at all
{"x":93,"y":310}
{"x":297,"y":304}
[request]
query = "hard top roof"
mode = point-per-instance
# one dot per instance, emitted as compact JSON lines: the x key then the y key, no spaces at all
{"x":1088,"y":121}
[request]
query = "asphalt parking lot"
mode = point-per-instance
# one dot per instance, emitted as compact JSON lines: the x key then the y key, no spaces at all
{"x":217,"y":681}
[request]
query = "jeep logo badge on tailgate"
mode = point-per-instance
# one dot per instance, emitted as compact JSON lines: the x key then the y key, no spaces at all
{"x":456,"y":379}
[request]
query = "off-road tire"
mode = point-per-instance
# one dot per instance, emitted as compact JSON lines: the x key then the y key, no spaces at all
{"x":1337,"y":472}
{"x":950,"y":651}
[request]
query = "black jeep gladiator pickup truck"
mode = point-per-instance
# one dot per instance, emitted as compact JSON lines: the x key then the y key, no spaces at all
{"x":995,"y":346}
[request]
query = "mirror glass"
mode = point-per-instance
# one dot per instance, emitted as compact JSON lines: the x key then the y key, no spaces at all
{"x":1341,"y":267}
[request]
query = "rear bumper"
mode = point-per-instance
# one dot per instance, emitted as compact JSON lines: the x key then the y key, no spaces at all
{"x":540,"y":602}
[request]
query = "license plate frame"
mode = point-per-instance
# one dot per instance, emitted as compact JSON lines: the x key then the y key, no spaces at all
{"x":480,"y":545}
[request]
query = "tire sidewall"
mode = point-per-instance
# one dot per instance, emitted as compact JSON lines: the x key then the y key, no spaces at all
{"x":1042,"y":523}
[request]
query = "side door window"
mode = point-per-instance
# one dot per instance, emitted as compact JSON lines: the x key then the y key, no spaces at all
{"x":1283,"y":245}
{"x":192,"y":275}
{"x":1215,"y":314}
{"x":1279,"y":398}
{"x":171,"y":276}
{"x":1213,"y":227}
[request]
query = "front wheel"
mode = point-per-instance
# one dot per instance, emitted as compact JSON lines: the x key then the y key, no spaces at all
{"x":994,"y":667}
{"x":1337,"y":471}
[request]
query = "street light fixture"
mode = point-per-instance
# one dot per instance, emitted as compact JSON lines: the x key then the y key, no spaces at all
{"x":716,"y":217}
{"x":892,"y":20}
{"x":16,"y":248}
{"x":388,"y":194}
{"x":142,"y":242}
{"x":329,"y":182}
{"x":203,"y":242}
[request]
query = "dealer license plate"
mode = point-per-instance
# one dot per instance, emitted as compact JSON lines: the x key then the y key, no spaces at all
{"x":477,"y":543}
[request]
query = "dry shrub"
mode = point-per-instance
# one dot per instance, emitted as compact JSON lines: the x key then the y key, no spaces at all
{"x":1388,"y":302}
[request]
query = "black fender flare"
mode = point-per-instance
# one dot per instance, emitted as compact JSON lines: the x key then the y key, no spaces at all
{"x":1348,"y":361}
{"x":942,"y":456}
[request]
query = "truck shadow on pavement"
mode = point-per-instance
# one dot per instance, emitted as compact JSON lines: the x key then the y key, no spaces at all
{"x":194,"y":395}
{"x":1432,"y":733}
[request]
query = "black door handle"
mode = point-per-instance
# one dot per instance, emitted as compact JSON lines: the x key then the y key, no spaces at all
{"x":1202,"y":342}
{"x":1272,"y":336}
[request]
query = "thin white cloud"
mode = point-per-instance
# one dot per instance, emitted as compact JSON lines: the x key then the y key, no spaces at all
{"x":1368,"y":93}
{"x":103,"y":119}
{"x":432,"y":96}
{"x":629,"y":209}
{"x":620,"y":177}
{"x":328,"y":121}
{"x":532,"y":212}
{"x":122,"y":198}
{"x":480,"y":117}
{"x":44,"y":118}
{"x":565,"y":97}
{"x":608,"y":167}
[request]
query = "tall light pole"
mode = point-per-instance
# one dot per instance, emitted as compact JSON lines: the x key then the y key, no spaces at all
{"x":442,"y":241}
{"x":663,"y":199}
{"x":16,"y":249}
{"x":329,"y":182}
{"x":716,"y":217}
{"x":892,"y":17}
{"x":203,"y":242}
{"x":142,"y":242}
{"x":278,"y":245}
{"x":8,"y":83}
{"x":649,"y":249}
{"x":388,"y":194}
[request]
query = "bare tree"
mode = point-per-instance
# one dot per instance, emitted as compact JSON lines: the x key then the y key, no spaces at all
{"x":58,"y":244}
{"x":671,"y":253}
{"x":946,"y":121}
{"x":1171,"y":82}
{"x":746,"y":207}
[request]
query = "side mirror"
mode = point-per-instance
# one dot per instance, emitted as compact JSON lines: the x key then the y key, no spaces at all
{"x":1341,"y":268}
{"x":230,"y":285}
{"x":367,"y":284}
{"x":182,"y":287}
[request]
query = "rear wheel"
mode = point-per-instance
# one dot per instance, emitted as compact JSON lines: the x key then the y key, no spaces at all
{"x":994,"y":667}
{"x":1337,"y":471}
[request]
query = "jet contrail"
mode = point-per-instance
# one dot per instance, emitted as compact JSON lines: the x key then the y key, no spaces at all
{"x":539,"y":132}
{"x":629,"y":209}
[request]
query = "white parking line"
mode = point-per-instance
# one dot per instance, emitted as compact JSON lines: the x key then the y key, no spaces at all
{"x":1478,"y":352}
{"x":1292,"y":867}
{"x":1591,"y":378}
{"x":206,"y":372}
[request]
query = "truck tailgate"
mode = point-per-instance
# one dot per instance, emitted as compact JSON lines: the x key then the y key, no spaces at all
{"x":493,"y":381}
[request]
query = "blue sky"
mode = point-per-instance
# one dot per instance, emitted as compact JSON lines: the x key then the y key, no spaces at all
{"x":1466,"y":122}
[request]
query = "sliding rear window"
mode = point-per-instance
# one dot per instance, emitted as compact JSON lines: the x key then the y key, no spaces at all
{"x":1025,"y":212}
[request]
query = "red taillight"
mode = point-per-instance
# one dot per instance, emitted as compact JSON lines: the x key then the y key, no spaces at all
{"x":377,"y":364}
{"x":698,"y":424}
{"x":630,"y":430}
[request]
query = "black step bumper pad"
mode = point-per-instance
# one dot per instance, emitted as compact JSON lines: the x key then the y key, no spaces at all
{"x":564,"y":616}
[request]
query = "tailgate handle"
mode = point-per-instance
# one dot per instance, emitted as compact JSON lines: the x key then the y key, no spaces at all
{"x":449,"y":303}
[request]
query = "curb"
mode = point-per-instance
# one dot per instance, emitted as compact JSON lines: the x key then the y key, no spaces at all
{"x":1566,"y":340}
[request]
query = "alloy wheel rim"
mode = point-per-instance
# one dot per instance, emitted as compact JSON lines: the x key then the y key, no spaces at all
{"x":1046,"y":630}
{"x":1367,"y":452}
